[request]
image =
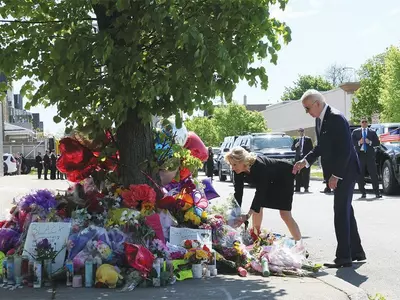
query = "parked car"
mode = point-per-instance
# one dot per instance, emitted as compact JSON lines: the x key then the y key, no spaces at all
{"x":223,"y":167}
{"x":9,"y":164}
{"x":271,"y":144}
{"x":216,"y":151}
{"x":388,"y":156}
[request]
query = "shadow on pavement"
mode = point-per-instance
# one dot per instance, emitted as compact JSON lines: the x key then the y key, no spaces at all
{"x":220,"y":288}
{"x":350,"y":275}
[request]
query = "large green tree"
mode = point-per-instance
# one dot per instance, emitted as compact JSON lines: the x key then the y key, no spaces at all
{"x":390,"y":93}
{"x":235,"y":119}
{"x":366,"y":102}
{"x":227,"y":120}
{"x":304,"y":83}
{"x":205,"y":128}
{"x":115,"y":63}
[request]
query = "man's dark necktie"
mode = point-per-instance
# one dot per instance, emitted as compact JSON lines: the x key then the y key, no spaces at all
{"x":318,"y":125}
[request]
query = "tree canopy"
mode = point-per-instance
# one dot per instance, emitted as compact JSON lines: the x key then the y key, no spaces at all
{"x":390,"y":92}
{"x":115,"y":63}
{"x":367,"y":101}
{"x":302,"y":84}
{"x":229,"y":120}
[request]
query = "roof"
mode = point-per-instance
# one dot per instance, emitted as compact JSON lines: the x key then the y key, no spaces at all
{"x":11,"y":129}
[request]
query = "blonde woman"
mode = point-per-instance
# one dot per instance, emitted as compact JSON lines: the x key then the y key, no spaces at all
{"x":274,"y":184}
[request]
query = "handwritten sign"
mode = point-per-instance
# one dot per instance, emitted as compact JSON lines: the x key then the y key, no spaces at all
{"x":57,"y":235}
{"x":178,"y":235}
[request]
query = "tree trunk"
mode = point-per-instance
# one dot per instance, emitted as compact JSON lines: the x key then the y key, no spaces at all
{"x":135,"y":145}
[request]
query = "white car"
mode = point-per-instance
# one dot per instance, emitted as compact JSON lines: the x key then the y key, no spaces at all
{"x":9,"y":164}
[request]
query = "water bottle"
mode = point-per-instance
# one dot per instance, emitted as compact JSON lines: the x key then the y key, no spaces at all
{"x":89,"y":272}
{"x":265,"y":267}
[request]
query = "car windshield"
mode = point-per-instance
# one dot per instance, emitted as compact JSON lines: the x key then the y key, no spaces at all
{"x":216,"y":151}
{"x":272,"y":142}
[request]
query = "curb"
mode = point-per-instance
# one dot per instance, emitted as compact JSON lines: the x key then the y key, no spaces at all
{"x":353,"y":292}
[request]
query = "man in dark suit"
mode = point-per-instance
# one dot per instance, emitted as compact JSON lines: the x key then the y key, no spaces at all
{"x":364,"y":140}
{"x":53,"y":165}
{"x":340,"y":163}
{"x":46,"y":164}
{"x":302,"y":145}
{"x":39,"y":164}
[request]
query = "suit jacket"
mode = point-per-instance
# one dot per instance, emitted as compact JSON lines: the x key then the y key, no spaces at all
{"x":335,"y":146}
{"x":46,"y":161}
{"x":307,"y":147}
{"x":371,"y":135}
{"x":39,"y":161}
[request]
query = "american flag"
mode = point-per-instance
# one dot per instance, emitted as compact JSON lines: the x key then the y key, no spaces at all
{"x":391,"y":136}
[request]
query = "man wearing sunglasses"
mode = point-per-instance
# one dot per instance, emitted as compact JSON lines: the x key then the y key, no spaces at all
{"x":364,"y":140}
{"x":340,"y":164}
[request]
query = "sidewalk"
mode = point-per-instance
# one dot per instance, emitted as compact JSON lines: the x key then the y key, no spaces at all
{"x":221,"y":288}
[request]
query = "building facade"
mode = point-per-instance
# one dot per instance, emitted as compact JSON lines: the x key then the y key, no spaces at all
{"x":288,"y":116}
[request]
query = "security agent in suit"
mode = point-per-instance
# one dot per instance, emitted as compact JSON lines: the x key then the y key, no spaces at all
{"x":302,"y":145}
{"x":364,"y":140}
{"x":340,"y":163}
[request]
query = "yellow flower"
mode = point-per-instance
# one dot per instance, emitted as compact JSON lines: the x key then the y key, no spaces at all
{"x":204,"y":215}
{"x":188,"y":255}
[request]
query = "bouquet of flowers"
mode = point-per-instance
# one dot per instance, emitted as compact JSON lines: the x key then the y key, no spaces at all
{"x":44,"y":250}
{"x":158,"y":248}
{"x":198,"y":255}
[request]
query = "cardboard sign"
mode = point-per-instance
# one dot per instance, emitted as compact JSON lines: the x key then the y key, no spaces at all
{"x":57,"y":234}
{"x":178,"y":235}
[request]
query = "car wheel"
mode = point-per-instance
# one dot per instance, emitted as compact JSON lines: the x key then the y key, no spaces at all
{"x":26,"y":169}
{"x":389,"y":182}
{"x":221,"y":176}
{"x":5,"y":169}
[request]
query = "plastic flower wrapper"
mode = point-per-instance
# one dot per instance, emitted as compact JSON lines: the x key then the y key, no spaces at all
{"x":133,"y":278}
{"x":43,"y":198}
{"x":9,"y":239}
{"x":117,"y":239}
{"x":158,"y":248}
{"x":175,"y":251}
{"x":283,"y":258}
{"x":77,"y":241}
{"x":228,"y":208}
{"x":226,"y":236}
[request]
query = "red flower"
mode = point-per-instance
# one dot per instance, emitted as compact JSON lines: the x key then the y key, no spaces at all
{"x":188,"y":244}
{"x":168,"y":202}
{"x":138,"y":193}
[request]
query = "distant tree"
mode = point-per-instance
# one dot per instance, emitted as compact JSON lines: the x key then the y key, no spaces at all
{"x":337,"y":74}
{"x":235,"y":119}
{"x":302,"y":84}
{"x":390,"y":93}
{"x":366,"y":102}
{"x":205,"y":128}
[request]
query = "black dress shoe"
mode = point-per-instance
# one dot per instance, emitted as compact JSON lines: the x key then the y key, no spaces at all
{"x":363,"y":196}
{"x":306,"y":191}
{"x":359,"y":257}
{"x":378,"y":196}
{"x":338,"y":263}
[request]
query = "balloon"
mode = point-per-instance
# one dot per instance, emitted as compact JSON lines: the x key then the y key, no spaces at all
{"x":209,"y":190}
{"x":187,"y":201}
{"x":196,"y":146}
{"x":181,"y":134}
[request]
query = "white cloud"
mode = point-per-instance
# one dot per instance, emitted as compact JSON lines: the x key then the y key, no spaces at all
{"x":394,"y":12}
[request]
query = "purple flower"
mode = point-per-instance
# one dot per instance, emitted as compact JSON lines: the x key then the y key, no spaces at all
{"x":41,"y":198}
{"x":44,"y":244}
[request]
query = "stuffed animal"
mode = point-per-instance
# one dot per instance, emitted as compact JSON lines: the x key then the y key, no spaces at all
{"x":107,"y":276}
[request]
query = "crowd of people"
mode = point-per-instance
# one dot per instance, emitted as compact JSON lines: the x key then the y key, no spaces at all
{"x":46,"y":164}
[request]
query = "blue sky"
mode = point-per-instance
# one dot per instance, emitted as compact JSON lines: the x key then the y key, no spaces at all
{"x":347,"y":32}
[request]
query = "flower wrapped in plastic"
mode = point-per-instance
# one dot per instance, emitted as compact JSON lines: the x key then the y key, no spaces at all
{"x":78,"y":241}
{"x":139,"y":258}
{"x":42,"y":198}
{"x":228,"y":208}
{"x":9,"y":239}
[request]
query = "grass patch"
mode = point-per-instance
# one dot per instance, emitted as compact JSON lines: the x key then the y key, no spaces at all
{"x":376,"y":297}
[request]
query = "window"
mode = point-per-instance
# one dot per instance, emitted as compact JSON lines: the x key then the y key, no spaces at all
{"x":264,"y":142}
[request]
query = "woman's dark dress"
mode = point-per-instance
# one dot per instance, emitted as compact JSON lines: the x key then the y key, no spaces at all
{"x":210,"y":165}
{"x":274,"y":184}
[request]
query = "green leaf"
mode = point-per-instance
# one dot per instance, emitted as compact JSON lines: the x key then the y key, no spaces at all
{"x":56,"y":119}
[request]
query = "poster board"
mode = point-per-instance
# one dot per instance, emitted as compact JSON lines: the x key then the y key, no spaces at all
{"x":178,"y":235}
{"x":56,"y":232}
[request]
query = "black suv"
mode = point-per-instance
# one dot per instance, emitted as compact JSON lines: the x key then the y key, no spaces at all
{"x":270,"y":144}
{"x":388,"y":157}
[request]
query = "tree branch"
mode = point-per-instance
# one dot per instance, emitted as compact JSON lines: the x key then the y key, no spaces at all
{"x":44,"y":22}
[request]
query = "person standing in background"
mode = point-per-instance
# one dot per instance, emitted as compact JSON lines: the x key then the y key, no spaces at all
{"x":210,"y":164}
{"x":53,"y":163}
{"x":46,"y":164}
{"x":302,"y":145}
{"x":39,"y":164}
{"x":364,"y":140}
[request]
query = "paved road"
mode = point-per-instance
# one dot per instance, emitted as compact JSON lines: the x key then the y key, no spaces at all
{"x":378,"y":221}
